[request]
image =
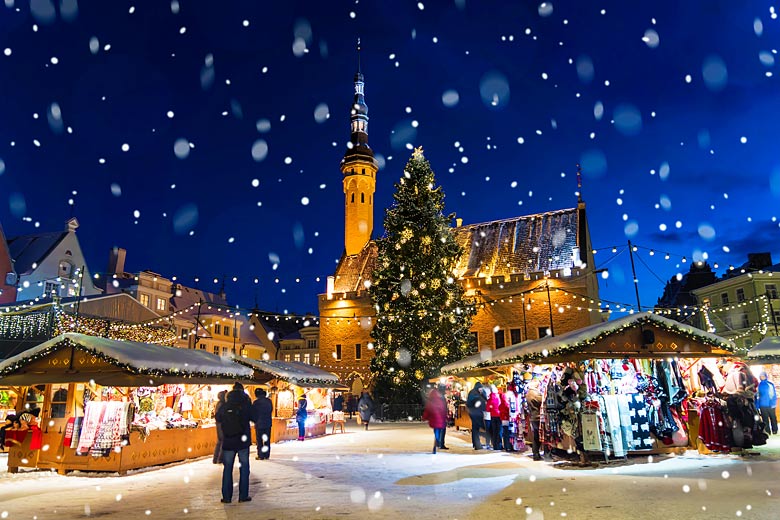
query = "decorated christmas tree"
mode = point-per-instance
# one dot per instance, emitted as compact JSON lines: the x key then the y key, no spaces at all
{"x":423,"y":318}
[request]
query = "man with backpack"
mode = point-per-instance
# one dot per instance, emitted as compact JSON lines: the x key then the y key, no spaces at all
{"x":233,"y":416}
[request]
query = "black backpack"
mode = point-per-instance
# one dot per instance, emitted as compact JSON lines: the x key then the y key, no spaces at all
{"x":232,"y":424}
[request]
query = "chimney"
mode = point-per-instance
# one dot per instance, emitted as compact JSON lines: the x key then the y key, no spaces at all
{"x":116,"y":261}
{"x":458,"y":222}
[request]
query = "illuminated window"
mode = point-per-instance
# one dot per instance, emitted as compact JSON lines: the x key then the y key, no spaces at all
{"x":161,"y":304}
{"x":307,"y":358}
{"x":297,"y":357}
{"x":316,"y":358}
{"x":185,"y":333}
{"x":515,"y":336}
{"x":771,"y":290}
{"x":217,"y":328}
{"x":144,"y":299}
{"x":287,"y":357}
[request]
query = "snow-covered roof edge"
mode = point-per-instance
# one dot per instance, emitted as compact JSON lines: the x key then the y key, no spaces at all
{"x":579,"y":339}
{"x":291,"y":371}
{"x":137,"y":358}
{"x":767,"y":349}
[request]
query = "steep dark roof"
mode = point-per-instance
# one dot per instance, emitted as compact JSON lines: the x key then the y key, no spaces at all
{"x":527,"y":244}
{"x":27,"y":250}
{"x":185,"y":296}
{"x":353,"y":270}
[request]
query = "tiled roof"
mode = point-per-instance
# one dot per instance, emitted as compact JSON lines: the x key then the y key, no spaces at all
{"x":27,"y":250}
{"x":527,"y":244}
{"x":354,"y":270}
{"x":186,"y":296}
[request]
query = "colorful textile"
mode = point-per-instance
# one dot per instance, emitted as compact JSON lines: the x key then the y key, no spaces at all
{"x":612,"y":424}
{"x":625,"y":422}
{"x":591,"y":439}
{"x":714,"y":427}
{"x":640,"y":423}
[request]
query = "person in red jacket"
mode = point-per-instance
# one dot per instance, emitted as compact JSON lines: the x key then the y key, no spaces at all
{"x":503,"y":408}
{"x":493,"y":407}
{"x":436,"y":414}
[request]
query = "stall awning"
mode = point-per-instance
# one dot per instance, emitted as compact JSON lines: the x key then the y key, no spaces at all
{"x":300,"y":374}
{"x":466,"y":367}
{"x":72,"y":358}
{"x":767,"y":350}
{"x":617,"y":338}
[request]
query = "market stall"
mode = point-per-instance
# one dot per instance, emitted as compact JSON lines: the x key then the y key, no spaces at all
{"x":287,"y":381}
{"x":637,"y":384}
{"x":109,"y":405}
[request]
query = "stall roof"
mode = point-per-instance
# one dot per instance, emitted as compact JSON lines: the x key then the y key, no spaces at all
{"x":768,"y":349}
{"x":579,"y":340}
{"x":118,"y":363}
{"x":466,"y":367}
{"x":297,"y":373}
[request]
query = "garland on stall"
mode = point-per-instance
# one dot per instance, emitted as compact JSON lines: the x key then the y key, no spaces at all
{"x":25,"y":359}
{"x":588,"y":342}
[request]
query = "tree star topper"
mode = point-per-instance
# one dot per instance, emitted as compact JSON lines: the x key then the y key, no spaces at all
{"x":418,"y":153}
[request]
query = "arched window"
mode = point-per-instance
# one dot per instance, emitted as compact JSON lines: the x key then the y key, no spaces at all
{"x":362,"y":198}
{"x":353,"y":198}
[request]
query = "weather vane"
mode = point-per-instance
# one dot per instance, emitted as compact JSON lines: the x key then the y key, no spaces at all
{"x":418,"y":152}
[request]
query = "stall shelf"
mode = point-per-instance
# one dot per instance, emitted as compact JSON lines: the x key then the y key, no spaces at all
{"x":75,"y":361}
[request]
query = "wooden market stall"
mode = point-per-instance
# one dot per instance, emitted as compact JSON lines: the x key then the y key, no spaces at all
{"x":628,"y":345}
{"x":288,"y":380}
{"x":72,"y":375}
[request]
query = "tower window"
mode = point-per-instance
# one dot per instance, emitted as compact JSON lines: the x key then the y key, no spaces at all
{"x":362,"y":198}
{"x":353,"y":198}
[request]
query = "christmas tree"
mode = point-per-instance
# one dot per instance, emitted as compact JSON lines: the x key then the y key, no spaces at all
{"x":423,"y":318}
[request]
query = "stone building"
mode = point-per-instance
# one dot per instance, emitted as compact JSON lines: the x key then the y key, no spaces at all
{"x":529,"y":276}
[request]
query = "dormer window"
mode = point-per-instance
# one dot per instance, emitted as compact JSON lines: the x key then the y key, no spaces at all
{"x":66,"y":269}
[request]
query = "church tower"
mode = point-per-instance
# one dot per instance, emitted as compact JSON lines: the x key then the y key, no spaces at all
{"x":359,"y":169}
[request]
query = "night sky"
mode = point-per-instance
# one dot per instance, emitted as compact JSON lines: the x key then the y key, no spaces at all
{"x":671,"y":107}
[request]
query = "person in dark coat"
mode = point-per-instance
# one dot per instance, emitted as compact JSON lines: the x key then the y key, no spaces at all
{"x":351,"y":405}
{"x":261,"y":413}
{"x":338,"y":403}
{"x":533,"y":400}
{"x":237,"y":444}
{"x":218,"y":447}
{"x":442,"y":392}
{"x":300,"y":417}
{"x":475,"y":404}
{"x":365,"y":408}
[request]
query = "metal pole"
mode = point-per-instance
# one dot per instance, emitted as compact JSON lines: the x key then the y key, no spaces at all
{"x":197,"y":322}
{"x":525,"y":324}
{"x":549,"y":304}
{"x":772,"y":312}
{"x":633,"y":272}
{"x":78,"y":296}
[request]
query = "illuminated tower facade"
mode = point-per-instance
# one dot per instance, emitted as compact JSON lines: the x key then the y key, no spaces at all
{"x":359,"y":170}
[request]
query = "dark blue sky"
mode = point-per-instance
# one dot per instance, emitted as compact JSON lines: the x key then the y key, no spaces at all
{"x":574,"y":81}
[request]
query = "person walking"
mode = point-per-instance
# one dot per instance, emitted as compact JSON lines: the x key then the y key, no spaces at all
{"x":261,"y":414}
{"x":365,"y":408}
{"x":504,"y":410}
{"x":338,"y":403}
{"x":300,"y":417}
{"x":217,"y":459}
{"x":442,"y":391}
{"x":533,"y":400}
{"x":351,"y":405}
{"x":237,"y":437}
{"x":766,"y":399}
{"x":435,"y":413}
{"x":494,"y":407}
{"x":475,"y":405}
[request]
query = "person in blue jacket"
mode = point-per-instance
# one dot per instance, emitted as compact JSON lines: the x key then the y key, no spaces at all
{"x":766,"y":399}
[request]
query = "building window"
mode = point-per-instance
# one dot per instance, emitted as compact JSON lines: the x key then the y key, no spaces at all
{"x":514,"y":336}
{"x":287,"y":357}
{"x":217,"y":328}
{"x":776,"y":314}
{"x":203,"y":346}
{"x":50,"y":289}
{"x":227,"y":330}
{"x":59,"y":401}
{"x":745,"y":320}
{"x":543,"y":332}
{"x":224,"y":351}
{"x":185,"y":333}
{"x":358,"y":351}
{"x":144,"y":299}
{"x":338,"y":352}
{"x":216,"y":350}
{"x":161,"y":304}
{"x":316,"y":358}
{"x":771,"y":290}
{"x":740,"y":294}
{"x":307,"y":358}
{"x":499,"y":338}
{"x":311,"y":343}
{"x":353,"y":198}
{"x":297,"y":357}
{"x":363,"y":195}
{"x":724,"y":298}
{"x":66,"y":269}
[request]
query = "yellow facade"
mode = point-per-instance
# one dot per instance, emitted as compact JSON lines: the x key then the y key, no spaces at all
{"x":359,"y":186}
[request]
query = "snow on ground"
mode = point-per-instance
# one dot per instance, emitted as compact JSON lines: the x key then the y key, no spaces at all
{"x":388,"y":472}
